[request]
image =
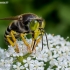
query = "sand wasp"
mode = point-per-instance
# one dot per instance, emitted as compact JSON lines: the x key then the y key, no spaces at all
{"x":23,"y":25}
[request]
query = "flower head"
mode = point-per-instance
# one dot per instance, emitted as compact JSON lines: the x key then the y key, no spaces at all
{"x":56,"y":57}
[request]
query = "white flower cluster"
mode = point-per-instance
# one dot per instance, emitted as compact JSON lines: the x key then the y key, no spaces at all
{"x":57,"y":57}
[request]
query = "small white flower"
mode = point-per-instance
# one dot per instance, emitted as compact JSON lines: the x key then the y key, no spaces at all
{"x":43,"y":56}
{"x":18,"y":66}
{"x":27,"y":61}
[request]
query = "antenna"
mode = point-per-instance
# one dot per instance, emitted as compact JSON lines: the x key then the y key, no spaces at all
{"x":10,"y":18}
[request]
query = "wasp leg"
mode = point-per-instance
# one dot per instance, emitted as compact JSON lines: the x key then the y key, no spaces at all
{"x":9,"y":40}
{"x":13,"y":43}
{"x":37,"y":41}
{"x":33,"y":43}
{"x":12,"y":33}
{"x":25,"y":42}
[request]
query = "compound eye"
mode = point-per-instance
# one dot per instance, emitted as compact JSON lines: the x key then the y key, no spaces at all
{"x":43,"y":24}
{"x":34,"y":25}
{"x":39,"y":20}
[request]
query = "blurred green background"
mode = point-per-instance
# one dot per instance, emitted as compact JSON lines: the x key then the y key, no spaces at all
{"x":55,"y":12}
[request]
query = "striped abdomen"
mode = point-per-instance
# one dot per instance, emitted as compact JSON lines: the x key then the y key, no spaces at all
{"x":16,"y":26}
{"x":13,"y":26}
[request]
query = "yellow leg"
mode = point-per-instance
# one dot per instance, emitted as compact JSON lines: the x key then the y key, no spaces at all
{"x":25,"y":42}
{"x":12,"y":35}
{"x":14,"y":39}
{"x":10,"y":42}
{"x":37,"y":41}
{"x":32,"y":42}
{"x":13,"y":43}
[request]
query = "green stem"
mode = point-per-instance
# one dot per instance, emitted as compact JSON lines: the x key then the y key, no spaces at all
{"x":20,"y":58}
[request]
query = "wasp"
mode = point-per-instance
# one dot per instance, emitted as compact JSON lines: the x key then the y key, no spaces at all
{"x":23,"y":25}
